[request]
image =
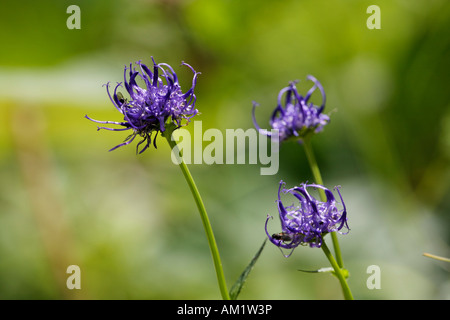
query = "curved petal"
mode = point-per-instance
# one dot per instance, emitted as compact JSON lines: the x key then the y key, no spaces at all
{"x":262,"y":131}
{"x":322,"y":91}
{"x":130,"y":139}
{"x":110,"y":98}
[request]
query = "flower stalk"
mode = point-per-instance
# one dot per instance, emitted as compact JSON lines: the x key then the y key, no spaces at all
{"x":203,"y":215}
{"x":337,"y":264}
{"x":318,"y":179}
{"x":338,"y":272}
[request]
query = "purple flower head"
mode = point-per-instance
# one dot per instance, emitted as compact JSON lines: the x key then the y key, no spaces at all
{"x":151,"y":107}
{"x":309,"y":220}
{"x":297,"y":117}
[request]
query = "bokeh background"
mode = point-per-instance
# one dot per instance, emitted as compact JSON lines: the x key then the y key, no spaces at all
{"x":130,"y":222}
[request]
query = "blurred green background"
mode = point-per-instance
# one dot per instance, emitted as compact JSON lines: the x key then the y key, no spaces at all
{"x":130,"y":222}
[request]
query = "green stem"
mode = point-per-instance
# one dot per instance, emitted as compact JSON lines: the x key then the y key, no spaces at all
{"x":318,"y":179}
{"x":429,"y":255}
{"x":339,"y":264}
{"x":204,"y":217}
{"x":338,"y":272}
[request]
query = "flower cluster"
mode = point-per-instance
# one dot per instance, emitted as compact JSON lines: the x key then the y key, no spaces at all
{"x":152,"y":106}
{"x":296,"y":118}
{"x":309,"y":221}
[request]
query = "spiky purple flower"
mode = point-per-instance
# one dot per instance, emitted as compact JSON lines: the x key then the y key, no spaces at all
{"x":151,"y":107}
{"x":297,"y":117}
{"x":307,"y":222}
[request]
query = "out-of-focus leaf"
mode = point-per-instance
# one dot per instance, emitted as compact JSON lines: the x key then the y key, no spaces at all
{"x":237,"y":286}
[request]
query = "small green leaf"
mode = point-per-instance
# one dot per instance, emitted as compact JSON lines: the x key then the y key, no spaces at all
{"x":237,"y":286}
{"x":345,"y":272}
{"x":318,"y":270}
